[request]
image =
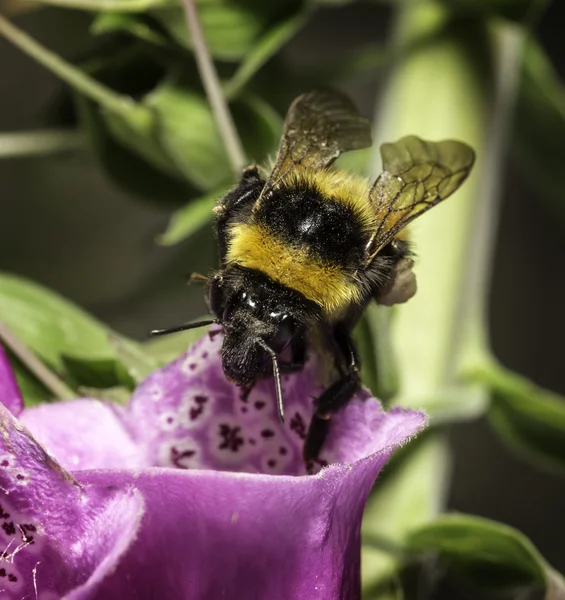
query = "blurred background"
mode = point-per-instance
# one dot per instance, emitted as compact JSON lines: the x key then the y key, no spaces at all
{"x":67,"y":224}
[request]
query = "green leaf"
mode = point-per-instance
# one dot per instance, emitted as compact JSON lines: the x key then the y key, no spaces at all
{"x":488,"y":554}
{"x":172,"y":128}
{"x":137,"y":129}
{"x":410,"y":493}
{"x":133,"y":24}
{"x":71,"y":342}
{"x":529,"y":419}
{"x":265,"y":48}
{"x":124,"y":166}
{"x":33,"y":391}
{"x":539,"y":138}
{"x":101,"y":373}
{"x":229,"y":28}
{"x":50,"y":325}
{"x":188,"y":133}
{"x":131,"y":123}
{"x":261,"y":127}
{"x":187,"y":220}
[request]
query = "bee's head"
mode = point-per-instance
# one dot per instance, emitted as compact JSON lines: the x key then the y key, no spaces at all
{"x":254,"y":323}
{"x":260,"y":320}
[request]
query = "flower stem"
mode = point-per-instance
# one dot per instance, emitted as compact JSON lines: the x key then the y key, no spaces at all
{"x":40,"y":143}
{"x":107,"y":5}
{"x":436,"y":93}
{"x":44,"y":375}
{"x":214,"y":92}
{"x":67,"y":72}
{"x":469,"y":329}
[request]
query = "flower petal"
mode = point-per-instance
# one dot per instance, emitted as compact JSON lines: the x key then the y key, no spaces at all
{"x":83,"y":434}
{"x":209,"y":534}
{"x":56,"y":534}
{"x":10,"y":394}
{"x":187,"y":415}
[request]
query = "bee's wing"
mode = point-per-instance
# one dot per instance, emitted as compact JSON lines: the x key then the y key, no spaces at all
{"x":416,"y":176}
{"x":318,"y":127}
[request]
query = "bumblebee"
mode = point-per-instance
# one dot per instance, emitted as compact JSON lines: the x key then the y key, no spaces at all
{"x":304,"y":252}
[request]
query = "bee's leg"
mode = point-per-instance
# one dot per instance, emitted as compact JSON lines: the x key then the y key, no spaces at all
{"x":332,"y":400}
{"x":236,"y":205}
{"x":297,"y":356}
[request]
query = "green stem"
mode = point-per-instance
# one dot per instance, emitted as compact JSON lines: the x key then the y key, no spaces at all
{"x":109,"y":5}
{"x":39,"y":143}
{"x":35,"y":366}
{"x":67,"y":72}
{"x":214,"y":91}
{"x":469,"y":329}
{"x":435,"y":93}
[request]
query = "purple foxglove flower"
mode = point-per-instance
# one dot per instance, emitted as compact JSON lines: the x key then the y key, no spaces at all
{"x":189,"y":492}
{"x":11,"y":397}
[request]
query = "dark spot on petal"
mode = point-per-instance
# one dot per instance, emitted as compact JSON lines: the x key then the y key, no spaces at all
{"x":177,"y":456}
{"x":3,"y":515}
{"x":204,"y":355}
{"x":20,"y":477}
{"x":244,"y":409}
{"x":9,"y":528}
{"x":196,"y":411}
{"x":12,"y":577}
{"x":2,"y":572}
{"x":298,"y":426}
{"x":283,"y":451}
{"x":272,"y":463}
{"x":259,"y":405}
{"x":231,"y":438}
{"x":192,"y":366}
{"x":5,"y":463}
{"x":170,"y":419}
{"x":267,"y":433}
{"x":29,"y":527}
{"x":252,"y":441}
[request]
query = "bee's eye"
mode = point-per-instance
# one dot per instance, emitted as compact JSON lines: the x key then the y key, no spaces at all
{"x":284,"y":335}
{"x":237,"y":301}
{"x":229,"y":311}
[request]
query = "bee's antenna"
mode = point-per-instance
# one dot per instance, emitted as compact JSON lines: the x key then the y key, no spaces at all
{"x":184,"y":327}
{"x":277,"y":376}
